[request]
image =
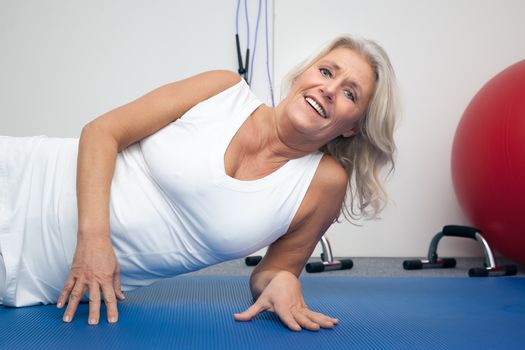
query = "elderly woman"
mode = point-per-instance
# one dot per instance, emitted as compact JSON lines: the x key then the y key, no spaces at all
{"x":195,"y":173}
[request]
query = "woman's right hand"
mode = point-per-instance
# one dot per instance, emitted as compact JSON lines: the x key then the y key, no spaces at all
{"x":94,"y":269}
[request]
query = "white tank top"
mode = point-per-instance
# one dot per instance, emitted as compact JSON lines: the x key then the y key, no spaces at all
{"x":173,"y":209}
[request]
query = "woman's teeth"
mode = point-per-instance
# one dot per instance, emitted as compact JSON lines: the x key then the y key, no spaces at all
{"x":316,"y":106}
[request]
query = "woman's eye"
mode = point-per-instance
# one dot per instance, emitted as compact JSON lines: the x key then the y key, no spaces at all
{"x":350,"y":95}
{"x":325,"y":72}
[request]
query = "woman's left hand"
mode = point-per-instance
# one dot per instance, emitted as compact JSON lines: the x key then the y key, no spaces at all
{"x":283,"y":296}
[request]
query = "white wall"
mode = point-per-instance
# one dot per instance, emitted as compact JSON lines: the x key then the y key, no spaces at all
{"x":64,"y":62}
{"x":443,"y":52}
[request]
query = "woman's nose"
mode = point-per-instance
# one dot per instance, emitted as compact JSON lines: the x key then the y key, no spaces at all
{"x":328,"y":91}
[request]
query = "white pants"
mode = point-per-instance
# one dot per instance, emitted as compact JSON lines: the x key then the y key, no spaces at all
{"x":2,"y":277}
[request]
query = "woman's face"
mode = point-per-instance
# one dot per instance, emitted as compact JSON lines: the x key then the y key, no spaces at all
{"x":328,"y":99}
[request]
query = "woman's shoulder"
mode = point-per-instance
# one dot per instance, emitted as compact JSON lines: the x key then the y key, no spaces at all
{"x":322,"y":203}
{"x":217,"y":80}
{"x":203,"y":86}
{"x":223,"y":75}
{"x":331,"y":176}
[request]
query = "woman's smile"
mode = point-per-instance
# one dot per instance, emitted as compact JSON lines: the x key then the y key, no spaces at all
{"x":316,"y":106}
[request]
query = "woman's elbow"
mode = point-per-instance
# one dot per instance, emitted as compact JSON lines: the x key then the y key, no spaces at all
{"x":94,"y":133}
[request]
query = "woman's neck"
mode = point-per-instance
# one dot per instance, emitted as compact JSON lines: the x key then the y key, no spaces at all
{"x":257,"y":149}
{"x":272,"y":141}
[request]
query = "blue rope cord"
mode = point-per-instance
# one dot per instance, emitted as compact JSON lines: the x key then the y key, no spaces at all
{"x":268,"y":54}
{"x":255,"y":41}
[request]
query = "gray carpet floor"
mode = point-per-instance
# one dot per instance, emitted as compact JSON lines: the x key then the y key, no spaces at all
{"x":366,"y":267}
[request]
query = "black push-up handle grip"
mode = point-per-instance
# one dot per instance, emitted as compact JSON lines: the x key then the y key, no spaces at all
{"x":319,"y":266}
{"x":412,"y":264}
{"x":448,"y":263}
{"x":252,"y":260}
{"x":445,"y":263}
{"x":508,"y":270}
{"x":346,"y":264}
{"x":511,"y":270}
{"x":314,"y":267}
{"x":478,"y":272}
{"x":460,"y":231}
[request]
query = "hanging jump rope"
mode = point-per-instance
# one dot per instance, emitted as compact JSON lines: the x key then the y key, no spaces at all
{"x":246,"y":68}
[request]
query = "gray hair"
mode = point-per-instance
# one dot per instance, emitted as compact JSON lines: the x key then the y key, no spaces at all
{"x":364,"y":155}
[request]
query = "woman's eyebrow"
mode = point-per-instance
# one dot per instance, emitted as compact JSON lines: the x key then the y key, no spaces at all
{"x":331,"y":63}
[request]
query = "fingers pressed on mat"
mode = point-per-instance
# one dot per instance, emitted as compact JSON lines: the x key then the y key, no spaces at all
{"x":94,"y":304}
{"x":111,"y":303}
{"x":64,"y":294}
{"x":117,"y":287}
{"x":74,"y":298}
{"x":305,"y":322}
{"x":322,"y":320}
{"x":249,"y":313}
{"x":288,"y":319}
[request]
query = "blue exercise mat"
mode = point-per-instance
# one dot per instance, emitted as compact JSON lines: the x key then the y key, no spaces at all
{"x":196,"y":312}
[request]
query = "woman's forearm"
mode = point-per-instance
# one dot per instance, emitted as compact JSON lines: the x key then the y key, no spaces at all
{"x":94,"y":267}
{"x":95,"y":166}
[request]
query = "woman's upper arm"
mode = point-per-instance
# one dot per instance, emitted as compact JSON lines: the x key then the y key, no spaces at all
{"x":319,"y":209}
{"x":144,"y":116}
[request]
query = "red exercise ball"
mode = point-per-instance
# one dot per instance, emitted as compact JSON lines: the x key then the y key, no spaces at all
{"x":488,"y":162}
